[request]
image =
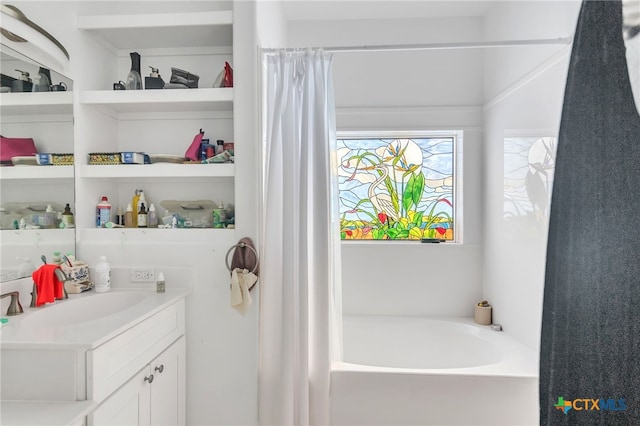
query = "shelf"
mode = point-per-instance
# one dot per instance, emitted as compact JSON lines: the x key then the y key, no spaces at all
{"x":165,"y":170}
{"x":21,"y":236}
{"x":186,"y":236}
{"x":123,"y":101}
{"x":141,"y":31}
{"x":36,"y":172}
{"x":36,"y":103}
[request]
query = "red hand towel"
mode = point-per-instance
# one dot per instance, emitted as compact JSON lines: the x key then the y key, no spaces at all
{"x":48,"y":286}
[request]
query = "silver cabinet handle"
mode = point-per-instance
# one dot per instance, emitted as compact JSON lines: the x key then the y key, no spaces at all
{"x":160,"y":369}
{"x":149,"y":378}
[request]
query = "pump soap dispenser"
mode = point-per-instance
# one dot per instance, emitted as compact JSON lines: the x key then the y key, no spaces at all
{"x":154,"y":81}
{"x":23,"y":84}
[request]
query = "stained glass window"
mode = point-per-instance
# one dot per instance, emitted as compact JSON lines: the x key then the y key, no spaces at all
{"x":397,"y":188}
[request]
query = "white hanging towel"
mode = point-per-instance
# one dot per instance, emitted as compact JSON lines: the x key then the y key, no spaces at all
{"x":241,"y":282}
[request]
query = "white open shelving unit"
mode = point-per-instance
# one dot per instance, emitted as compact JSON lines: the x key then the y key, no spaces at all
{"x":155,"y":121}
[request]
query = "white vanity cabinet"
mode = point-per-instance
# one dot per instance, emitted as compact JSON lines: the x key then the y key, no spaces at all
{"x":150,"y":362}
{"x":154,"y":396}
{"x":129,"y":364}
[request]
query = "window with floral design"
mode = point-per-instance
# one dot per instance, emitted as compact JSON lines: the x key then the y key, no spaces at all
{"x":397,"y":188}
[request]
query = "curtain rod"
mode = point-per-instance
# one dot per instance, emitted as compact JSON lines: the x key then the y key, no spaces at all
{"x":436,"y":46}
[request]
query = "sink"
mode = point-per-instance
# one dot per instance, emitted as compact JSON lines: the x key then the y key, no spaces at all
{"x":81,"y":309}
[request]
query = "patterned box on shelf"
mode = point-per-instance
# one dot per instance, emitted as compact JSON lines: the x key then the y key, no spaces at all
{"x":45,"y":159}
{"x":62,"y":159}
{"x":105,"y":158}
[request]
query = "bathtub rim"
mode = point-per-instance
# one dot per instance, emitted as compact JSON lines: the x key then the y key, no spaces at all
{"x":518,"y":360}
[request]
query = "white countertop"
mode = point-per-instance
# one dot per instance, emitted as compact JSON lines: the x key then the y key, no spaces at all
{"x":22,"y":332}
{"x":82,"y":322}
{"x":39,"y":413}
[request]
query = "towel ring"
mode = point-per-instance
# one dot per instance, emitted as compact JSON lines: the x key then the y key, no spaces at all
{"x":241,"y":245}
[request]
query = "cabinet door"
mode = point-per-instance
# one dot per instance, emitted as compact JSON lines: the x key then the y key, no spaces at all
{"x":128,"y":406}
{"x":167,"y":389}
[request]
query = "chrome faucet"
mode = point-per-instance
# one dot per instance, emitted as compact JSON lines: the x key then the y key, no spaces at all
{"x":62,"y":277}
{"x":15,"y":308}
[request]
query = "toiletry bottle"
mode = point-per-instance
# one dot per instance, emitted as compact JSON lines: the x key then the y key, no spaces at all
{"x":103,"y":212}
{"x":50,"y":217}
{"x":142,"y":217}
{"x":134,"y":79}
{"x":152,"y":218}
{"x":141,"y":200}
{"x":120,"y":216}
{"x":67,"y":217}
{"x":57,"y":258}
{"x":160,"y":285}
{"x":128,"y":217}
{"x":103,"y":275}
{"x":219,"y":216}
{"x":136,"y":207}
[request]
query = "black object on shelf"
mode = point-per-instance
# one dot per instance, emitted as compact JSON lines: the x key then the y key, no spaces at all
{"x":134,"y":79}
{"x":179,"y":76}
{"x":154,"y":81}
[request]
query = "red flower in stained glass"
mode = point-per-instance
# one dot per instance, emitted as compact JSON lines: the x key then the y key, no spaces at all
{"x":441,"y":231}
{"x":382,"y":217}
{"x":348,"y":232}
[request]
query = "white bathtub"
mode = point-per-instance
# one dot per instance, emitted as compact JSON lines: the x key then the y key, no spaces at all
{"x":422,"y":371}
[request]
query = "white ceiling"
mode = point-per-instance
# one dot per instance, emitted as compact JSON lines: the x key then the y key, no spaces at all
{"x":382,"y":9}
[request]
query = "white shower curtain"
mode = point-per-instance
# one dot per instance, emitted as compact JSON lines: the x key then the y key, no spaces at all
{"x":300,"y":264}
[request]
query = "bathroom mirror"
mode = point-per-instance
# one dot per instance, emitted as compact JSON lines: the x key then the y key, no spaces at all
{"x":30,"y":229}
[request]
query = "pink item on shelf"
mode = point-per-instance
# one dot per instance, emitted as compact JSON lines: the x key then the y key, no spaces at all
{"x":16,"y":147}
{"x":194,"y":148}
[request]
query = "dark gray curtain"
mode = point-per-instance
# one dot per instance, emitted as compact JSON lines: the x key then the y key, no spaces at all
{"x":590,"y":347}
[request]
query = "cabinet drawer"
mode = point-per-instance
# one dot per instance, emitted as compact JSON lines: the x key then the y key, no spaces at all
{"x":114,"y":362}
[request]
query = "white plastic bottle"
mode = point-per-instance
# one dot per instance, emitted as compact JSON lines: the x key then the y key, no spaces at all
{"x":160,"y":285}
{"x":152,"y":218}
{"x":50,"y":217}
{"x":102,"y":281}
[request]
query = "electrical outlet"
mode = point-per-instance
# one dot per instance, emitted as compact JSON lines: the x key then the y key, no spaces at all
{"x":142,"y":275}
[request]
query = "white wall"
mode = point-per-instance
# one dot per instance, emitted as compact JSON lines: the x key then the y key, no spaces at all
{"x":428,"y":90}
{"x":525,"y":88}
{"x":222,"y":345}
